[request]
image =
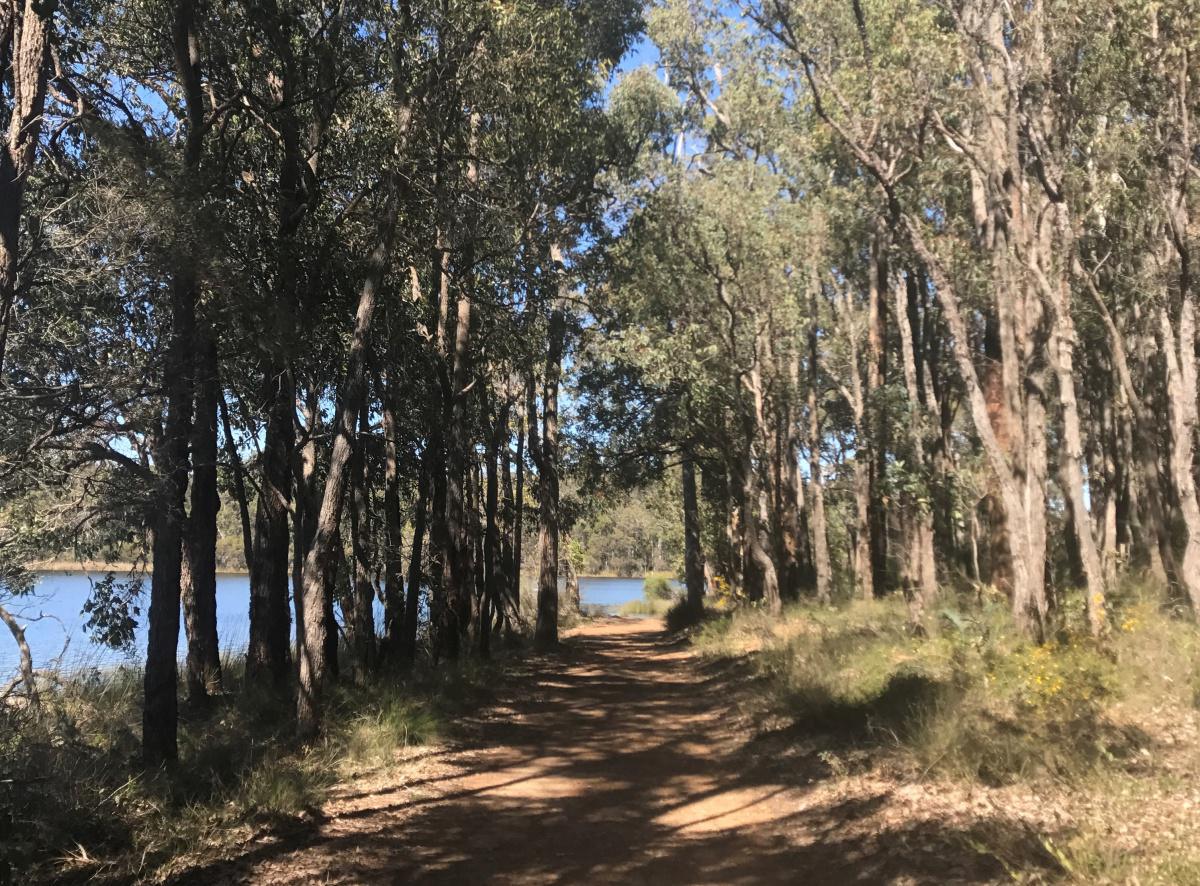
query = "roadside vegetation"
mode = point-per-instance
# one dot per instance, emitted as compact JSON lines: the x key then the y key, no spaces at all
{"x":79,"y":807}
{"x":1105,"y":731}
{"x":660,"y":594}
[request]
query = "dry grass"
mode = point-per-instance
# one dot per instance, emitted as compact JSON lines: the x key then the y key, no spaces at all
{"x":649,"y":607}
{"x":1105,"y":732}
{"x":84,"y":811}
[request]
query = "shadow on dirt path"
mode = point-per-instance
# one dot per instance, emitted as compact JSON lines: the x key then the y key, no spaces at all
{"x":618,"y":761}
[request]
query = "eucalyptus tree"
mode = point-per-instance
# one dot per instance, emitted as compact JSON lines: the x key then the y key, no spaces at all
{"x":25,"y":39}
{"x":977,"y":229}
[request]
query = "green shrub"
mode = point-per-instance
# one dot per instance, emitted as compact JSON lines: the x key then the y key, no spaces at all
{"x":972,"y":699}
{"x":658,"y":586}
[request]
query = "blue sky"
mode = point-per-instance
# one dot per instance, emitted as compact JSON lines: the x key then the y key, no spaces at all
{"x":642,"y":52}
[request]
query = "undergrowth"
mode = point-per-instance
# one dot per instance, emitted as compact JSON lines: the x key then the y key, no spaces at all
{"x":77,"y":807}
{"x":647,"y":606}
{"x":969,"y":700}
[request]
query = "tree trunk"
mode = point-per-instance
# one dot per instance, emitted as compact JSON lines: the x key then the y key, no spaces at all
{"x":320,"y":561}
{"x":816,"y":486}
{"x":1062,"y":345}
{"x":268,"y":653}
{"x":1180,"y":350}
{"x":546,"y":631}
{"x":570,"y":578}
{"x":1020,"y":498}
{"x":754,"y":547}
{"x":393,"y":590}
{"x":171,"y":460}
{"x":161,"y":705}
{"x":862,"y":548}
{"x":455,"y":574}
{"x":480,"y":612}
{"x":518,"y":513}
{"x":875,"y":421}
{"x":361,"y":621}
{"x":412,"y":600}
{"x":693,"y":556}
{"x":508,"y":522}
{"x":24,"y":44}
{"x":25,"y":672}
{"x":919,"y":568}
{"x":200,"y":590}
{"x":797,"y":552}
{"x":304,"y":520}
{"x":493,"y":555}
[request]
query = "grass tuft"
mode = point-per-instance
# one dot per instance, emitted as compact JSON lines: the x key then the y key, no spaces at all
{"x":650,"y":607}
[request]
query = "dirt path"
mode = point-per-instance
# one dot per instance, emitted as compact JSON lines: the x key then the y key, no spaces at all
{"x":620,"y":761}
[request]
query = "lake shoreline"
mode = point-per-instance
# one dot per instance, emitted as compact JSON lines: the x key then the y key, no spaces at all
{"x":55,"y":614}
{"x":72,"y":567}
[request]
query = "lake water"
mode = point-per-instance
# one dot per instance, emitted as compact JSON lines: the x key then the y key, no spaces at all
{"x":53,"y":618}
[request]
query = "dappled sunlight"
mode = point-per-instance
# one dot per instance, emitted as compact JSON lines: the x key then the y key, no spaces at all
{"x":623,"y":762}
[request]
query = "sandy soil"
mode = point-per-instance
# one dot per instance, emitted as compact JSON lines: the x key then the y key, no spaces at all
{"x":623,"y":759}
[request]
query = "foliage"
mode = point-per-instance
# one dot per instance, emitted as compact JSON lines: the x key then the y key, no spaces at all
{"x":630,"y":533}
{"x":659,"y":586}
{"x":112,"y":611}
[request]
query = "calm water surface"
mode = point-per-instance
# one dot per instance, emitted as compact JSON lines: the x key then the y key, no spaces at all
{"x":53,"y":618}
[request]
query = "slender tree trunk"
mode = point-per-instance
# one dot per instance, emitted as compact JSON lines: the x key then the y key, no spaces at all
{"x":412,"y":600}
{"x":693,"y":556}
{"x":270,"y":622}
{"x":200,"y":590}
{"x":441,"y":615}
{"x":480,"y":609}
{"x":493,"y":553}
{"x":862,"y":547}
{"x":361,"y":616}
{"x":1062,"y":345}
{"x":754,"y":548}
{"x":171,"y":459}
{"x":546,"y":631}
{"x":1180,"y":350}
{"x":816,"y":486}
{"x":863,"y":574}
{"x":1028,"y":599}
{"x":320,"y":561}
{"x":493,"y":572}
{"x":508,"y":521}
{"x":455,"y":573}
{"x":875,"y":420}
{"x":269,"y":651}
{"x":920,"y":569}
{"x":519,"y":512}
{"x":797,"y":552}
{"x":161,"y":705}
{"x":393,"y":592}
{"x":304,"y":520}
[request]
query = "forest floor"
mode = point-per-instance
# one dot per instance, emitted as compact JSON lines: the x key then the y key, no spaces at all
{"x":625,"y":758}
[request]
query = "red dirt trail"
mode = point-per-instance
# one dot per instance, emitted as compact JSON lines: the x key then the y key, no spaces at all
{"x":623,"y":759}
